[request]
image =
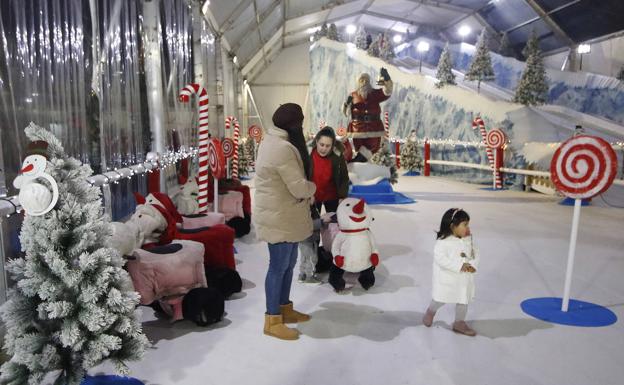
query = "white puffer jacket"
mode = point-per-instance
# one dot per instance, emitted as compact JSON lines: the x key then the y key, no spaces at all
{"x":282,"y":197}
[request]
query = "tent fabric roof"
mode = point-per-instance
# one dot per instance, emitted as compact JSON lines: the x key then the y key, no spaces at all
{"x":256,"y":30}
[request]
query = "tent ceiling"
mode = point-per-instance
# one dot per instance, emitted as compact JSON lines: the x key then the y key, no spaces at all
{"x":256,"y":30}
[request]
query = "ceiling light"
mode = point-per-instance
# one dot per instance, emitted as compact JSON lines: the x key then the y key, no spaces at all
{"x":235,"y":59}
{"x":397,"y":39}
{"x":423,"y":46}
{"x":311,"y":39}
{"x":351,"y":29}
{"x":464,"y":31}
{"x":583,"y":48}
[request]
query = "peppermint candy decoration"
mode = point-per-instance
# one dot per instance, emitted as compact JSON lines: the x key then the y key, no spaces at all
{"x":228,"y":147}
{"x":583,"y":167}
{"x":255,"y":132}
{"x":342,"y":131}
{"x":216,"y":160}
{"x":496,"y":138}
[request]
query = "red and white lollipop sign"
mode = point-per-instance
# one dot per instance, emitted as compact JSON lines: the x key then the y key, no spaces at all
{"x":496,"y":138}
{"x":255,"y":132}
{"x":583,"y":166}
{"x":228,"y":147}
{"x":216,"y":160}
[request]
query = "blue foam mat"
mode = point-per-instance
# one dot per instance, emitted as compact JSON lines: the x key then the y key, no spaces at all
{"x":379,"y":194}
{"x":412,"y":173}
{"x":570,"y":202}
{"x":493,"y":189}
{"x":110,"y":380}
{"x":579,"y":313}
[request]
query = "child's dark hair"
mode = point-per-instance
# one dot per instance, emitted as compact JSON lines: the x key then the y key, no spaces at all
{"x":326,"y":131}
{"x":453,"y":217}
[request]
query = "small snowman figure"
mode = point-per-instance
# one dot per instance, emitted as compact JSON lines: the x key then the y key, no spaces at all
{"x":354,"y":247}
{"x":36,"y":198}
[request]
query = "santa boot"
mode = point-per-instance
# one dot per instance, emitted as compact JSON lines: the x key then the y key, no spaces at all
{"x":428,"y":318}
{"x":290,"y":315}
{"x":274,"y":326}
{"x":462,"y":327}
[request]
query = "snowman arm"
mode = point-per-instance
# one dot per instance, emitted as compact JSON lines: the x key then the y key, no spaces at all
{"x":337,"y":244}
{"x":373,"y":244}
{"x":18,"y":181}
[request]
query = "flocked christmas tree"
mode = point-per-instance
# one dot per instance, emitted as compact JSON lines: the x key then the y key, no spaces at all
{"x":383,"y":157}
{"x":321,"y":32}
{"x":360,"y":38}
{"x":250,"y":151}
{"x":243,"y":161}
{"x":375,"y":48}
{"x":444,"y":73}
{"x":332,"y":32}
{"x":620,"y":75}
{"x":505,"y":46}
{"x":533,"y":87}
{"x":410,"y":158}
{"x":481,"y":66}
{"x":532,"y":45}
{"x":386,"y":51}
{"x":73,"y":305}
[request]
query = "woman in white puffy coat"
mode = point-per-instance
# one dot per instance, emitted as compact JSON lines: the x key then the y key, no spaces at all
{"x":455,"y":260}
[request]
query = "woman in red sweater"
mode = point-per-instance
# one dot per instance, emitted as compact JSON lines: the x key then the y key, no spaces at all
{"x":328,"y":170}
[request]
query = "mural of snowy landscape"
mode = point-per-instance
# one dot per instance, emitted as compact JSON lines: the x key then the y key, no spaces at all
{"x":447,"y":113}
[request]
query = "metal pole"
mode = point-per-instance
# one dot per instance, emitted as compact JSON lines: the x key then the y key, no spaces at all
{"x":571,"y":251}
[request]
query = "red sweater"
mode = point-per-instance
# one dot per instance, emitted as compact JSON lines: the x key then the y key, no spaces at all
{"x":323,"y":178}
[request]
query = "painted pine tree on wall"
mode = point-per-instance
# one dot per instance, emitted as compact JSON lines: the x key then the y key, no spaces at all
{"x":444,"y":72}
{"x":481,"y":66}
{"x":73,"y":305}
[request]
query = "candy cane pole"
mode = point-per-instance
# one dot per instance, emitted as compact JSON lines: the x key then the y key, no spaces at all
{"x":478,"y":122}
{"x":236,"y":139}
{"x":204,"y":135}
{"x":386,"y":126}
{"x":228,"y":124}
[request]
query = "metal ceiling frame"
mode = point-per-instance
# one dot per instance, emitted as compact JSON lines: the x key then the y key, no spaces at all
{"x":259,"y":20}
{"x":238,"y":10}
{"x":550,"y":22}
{"x":539,"y":17}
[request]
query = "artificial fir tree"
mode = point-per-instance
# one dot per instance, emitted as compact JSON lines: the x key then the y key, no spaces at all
{"x":243,"y":161}
{"x":321,"y":32}
{"x":481,"y":66}
{"x":410,"y":158}
{"x":444,"y":73}
{"x":250,"y":151}
{"x":532,"y":45}
{"x":360,"y":38}
{"x":73,"y":305}
{"x":386,"y":52}
{"x":532,"y":88}
{"x":505,"y":46}
{"x":383,"y":157}
{"x":620,"y":75}
{"x":374,"y":49}
{"x":332,"y":32}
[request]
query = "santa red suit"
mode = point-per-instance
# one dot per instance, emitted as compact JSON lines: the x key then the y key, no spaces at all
{"x":366,"y":127}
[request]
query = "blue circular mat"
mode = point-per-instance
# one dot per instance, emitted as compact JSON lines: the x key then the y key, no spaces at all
{"x":579,"y":313}
{"x":570,"y":202}
{"x":110,"y":380}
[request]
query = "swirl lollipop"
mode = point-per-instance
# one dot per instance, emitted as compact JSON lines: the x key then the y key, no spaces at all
{"x":216,"y":160}
{"x":255,"y":132}
{"x":228,"y":147}
{"x":496,"y":138}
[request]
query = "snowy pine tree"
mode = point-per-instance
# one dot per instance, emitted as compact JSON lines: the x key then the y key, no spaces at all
{"x":410,"y":158}
{"x":505,"y":46}
{"x":321,"y":32}
{"x":360,"y":38}
{"x":383,"y":157}
{"x":481,"y":66}
{"x":332,"y":32}
{"x":243,"y":160}
{"x":375,"y":48}
{"x":444,"y":73}
{"x":533,"y":87}
{"x":73,"y":305}
{"x":250,"y":151}
{"x":532,"y":45}
{"x":620,"y":75}
{"x":386,"y":51}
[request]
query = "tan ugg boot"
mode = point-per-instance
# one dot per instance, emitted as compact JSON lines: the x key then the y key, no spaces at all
{"x":291,"y":315}
{"x":274,"y":326}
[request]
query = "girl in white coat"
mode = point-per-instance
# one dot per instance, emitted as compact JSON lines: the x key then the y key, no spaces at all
{"x":455,"y":260}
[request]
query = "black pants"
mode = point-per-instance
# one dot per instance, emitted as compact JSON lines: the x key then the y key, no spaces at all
{"x":366,"y":278}
{"x":330,"y":206}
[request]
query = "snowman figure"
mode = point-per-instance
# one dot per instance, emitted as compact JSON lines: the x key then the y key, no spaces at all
{"x":36,"y":198}
{"x":186,"y":199}
{"x":354,"y":247}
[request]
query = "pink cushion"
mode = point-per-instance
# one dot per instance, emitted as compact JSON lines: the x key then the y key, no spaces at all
{"x":231,"y":204}
{"x":208,"y":219}
{"x":160,"y":275}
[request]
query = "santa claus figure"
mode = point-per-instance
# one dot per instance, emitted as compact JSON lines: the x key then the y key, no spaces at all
{"x":353,"y":248}
{"x":366,"y":127}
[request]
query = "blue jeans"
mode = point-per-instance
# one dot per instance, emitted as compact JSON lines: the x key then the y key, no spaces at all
{"x":282,"y":260}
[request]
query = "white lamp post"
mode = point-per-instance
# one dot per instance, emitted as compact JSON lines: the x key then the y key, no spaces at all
{"x":422,"y":47}
{"x":583,"y":48}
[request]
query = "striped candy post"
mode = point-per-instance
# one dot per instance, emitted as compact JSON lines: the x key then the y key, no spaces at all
{"x":204,"y":136}
{"x":478,"y":123}
{"x":386,"y":126}
{"x":228,"y":122}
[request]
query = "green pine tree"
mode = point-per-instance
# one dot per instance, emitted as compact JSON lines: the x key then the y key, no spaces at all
{"x":532,"y":45}
{"x":533,"y":87}
{"x":386,"y":51}
{"x":620,"y":75}
{"x":243,"y":161}
{"x":73,"y":305}
{"x":444,"y":73}
{"x":360,"y":38}
{"x":481,"y":66}
{"x":383,"y":157}
{"x":410,"y":158}
{"x":505,"y":46}
{"x":332,"y":32}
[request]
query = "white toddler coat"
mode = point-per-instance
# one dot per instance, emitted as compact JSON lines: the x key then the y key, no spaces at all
{"x":450,"y":285}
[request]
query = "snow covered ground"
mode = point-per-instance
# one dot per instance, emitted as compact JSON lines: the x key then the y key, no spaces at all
{"x":376,"y":337}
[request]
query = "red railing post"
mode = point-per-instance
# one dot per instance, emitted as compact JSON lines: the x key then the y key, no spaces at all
{"x":427,"y":167}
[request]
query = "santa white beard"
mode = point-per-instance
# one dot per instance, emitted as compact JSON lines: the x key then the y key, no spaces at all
{"x":364,"y":90}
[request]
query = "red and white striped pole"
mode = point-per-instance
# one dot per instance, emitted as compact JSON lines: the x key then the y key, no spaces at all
{"x":204,"y":136}
{"x":229,"y":121}
{"x":499,"y":156}
{"x":427,"y":166}
{"x":386,"y":126}
{"x":478,"y":122}
{"x":397,"y":151}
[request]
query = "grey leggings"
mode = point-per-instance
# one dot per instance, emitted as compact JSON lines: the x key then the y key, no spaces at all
{"x":460,"y":309}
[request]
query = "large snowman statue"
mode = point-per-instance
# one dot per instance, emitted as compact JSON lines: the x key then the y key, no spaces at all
{"x":354,"y":247}
{"x":35,"y":197}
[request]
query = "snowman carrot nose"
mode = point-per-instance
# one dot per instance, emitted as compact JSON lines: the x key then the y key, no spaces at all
{"x":359,"y":208}
{"x":27,"y":168}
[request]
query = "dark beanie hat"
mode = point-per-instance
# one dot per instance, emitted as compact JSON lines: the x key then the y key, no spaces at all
{"x":288,"y":116}
{"x":38,"y":147}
